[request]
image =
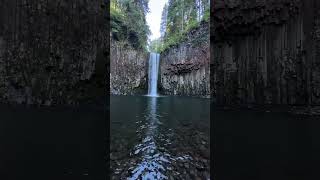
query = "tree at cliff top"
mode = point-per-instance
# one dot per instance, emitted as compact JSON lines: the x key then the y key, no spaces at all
{"x":163,"y":24}
{"x":128,"y":22}
{"x":155,"y":46}
{"x":179,"y":17}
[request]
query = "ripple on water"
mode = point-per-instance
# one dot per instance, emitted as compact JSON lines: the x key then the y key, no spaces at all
{"x":152,"y":164}
{"x":159,"y":148}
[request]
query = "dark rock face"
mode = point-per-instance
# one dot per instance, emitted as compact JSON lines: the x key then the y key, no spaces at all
{"x":184,"y":69}
{"x":129,"y":69}
{"x":266,"y":52}
{"x":248,"y":17}
{"x":52,"y":52}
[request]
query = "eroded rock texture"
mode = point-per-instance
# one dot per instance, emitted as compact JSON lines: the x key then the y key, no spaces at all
{"x":52,"y":52}
{"x":266,"y":52}
{"x":129,"y":68}
{"x":184,"y":69}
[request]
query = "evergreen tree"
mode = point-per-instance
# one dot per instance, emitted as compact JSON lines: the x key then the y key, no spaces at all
{"x":179,"y":17}
{"x":163,"y":25}
{"x":128,"y":22}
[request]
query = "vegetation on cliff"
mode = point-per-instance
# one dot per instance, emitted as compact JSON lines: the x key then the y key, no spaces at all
{"x":179,"y":17}
{"x":128,"y":22}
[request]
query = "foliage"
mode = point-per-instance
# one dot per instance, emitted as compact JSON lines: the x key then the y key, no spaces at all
{"x":206,"y":16}
{"x":182,"y":16}
{"x":128,"y":22}
{"x":163,"y":24}
{"x":155,"y":46}
{"x":117,"y":23}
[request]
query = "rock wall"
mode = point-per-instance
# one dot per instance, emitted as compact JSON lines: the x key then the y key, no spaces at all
{"x":184,"y":69}
{"x":52,"y":52}
{"x":266,"y":52}
{"x":129,"y":69}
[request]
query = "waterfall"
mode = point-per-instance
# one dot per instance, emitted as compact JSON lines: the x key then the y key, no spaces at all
{"x":153,"y":74}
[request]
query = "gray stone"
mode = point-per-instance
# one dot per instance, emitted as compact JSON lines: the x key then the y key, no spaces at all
{"x":184,"y":69}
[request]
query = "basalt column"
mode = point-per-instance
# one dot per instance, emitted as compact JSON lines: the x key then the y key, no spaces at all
{"x":266,"y":52}
{"x":184,"y":68}
{"x":53,"y":52}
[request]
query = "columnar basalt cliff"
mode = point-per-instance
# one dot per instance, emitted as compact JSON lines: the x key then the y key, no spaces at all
{"x":52,"y":52}
{"x":184,"y":69}
{"x":266,"y":52}
{"x":129,"y":68}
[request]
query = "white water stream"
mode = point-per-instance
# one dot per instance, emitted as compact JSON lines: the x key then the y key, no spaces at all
{"x":153,"y":74}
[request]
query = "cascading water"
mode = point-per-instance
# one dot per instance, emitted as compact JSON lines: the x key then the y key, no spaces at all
{"x":153,"y":74}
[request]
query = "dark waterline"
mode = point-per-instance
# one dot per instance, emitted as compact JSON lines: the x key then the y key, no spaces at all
{"x":159,"y":138}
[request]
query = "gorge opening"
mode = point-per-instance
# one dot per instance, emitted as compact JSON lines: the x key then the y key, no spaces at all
{"x":159,"y":73}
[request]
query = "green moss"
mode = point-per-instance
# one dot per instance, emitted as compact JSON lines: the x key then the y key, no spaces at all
{"x":206,"y":16}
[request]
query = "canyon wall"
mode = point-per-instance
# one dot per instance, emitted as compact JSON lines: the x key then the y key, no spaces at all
{"x":184,"y":69}
{"x":266,"y":52}
{"x":52,"y":52}
{"x":128,"y":69}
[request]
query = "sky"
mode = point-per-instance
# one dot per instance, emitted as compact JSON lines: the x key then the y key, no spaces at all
{"x":154,"y":17}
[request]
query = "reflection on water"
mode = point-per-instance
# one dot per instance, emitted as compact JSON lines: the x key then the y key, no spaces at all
{"x":159,"y":138}
{"x":153,"y":161}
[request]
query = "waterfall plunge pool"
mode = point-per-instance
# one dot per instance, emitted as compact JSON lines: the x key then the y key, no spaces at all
{"x":159,"y":138}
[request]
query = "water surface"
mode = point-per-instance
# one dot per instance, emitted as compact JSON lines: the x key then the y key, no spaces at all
{"x":52,"y":143}
{"x":264,"y":145}
{"x":159,"y":137}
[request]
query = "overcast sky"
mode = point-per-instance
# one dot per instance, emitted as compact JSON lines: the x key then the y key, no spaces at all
{"x":154,"y":17}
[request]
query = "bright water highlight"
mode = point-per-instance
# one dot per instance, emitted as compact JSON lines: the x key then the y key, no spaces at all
{"x":153,"y":74}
